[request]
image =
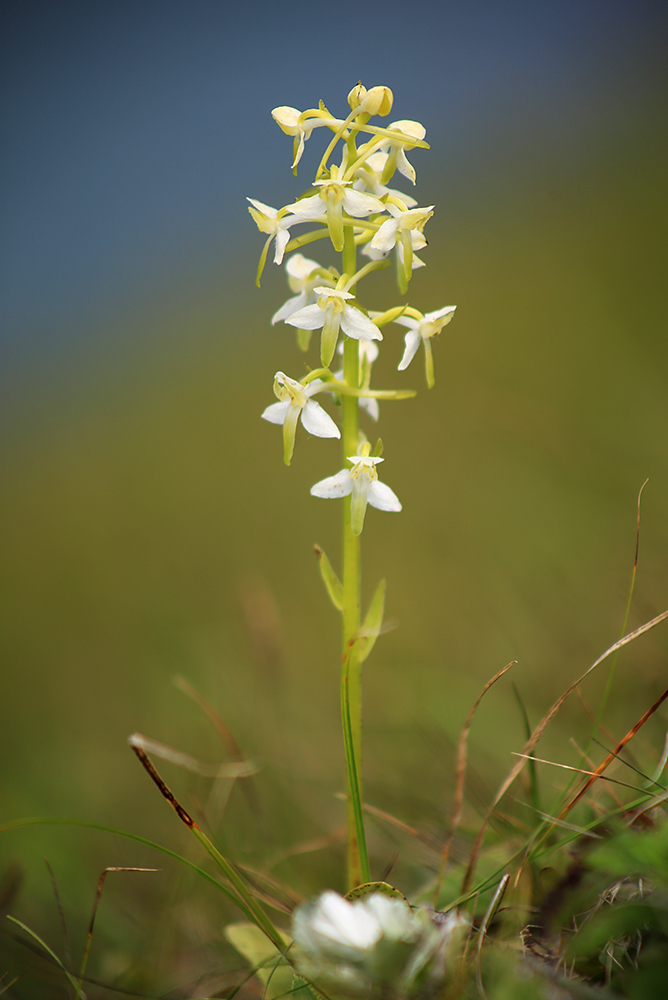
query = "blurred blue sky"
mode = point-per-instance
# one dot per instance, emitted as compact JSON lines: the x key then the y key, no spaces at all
{"x":133,"y":131}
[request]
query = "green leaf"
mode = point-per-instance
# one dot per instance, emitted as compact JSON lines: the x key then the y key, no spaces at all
{"x":330,"y":579}
{"x":374,"y":619}
{"x":269,"y":964}
{"x":378,"y":450}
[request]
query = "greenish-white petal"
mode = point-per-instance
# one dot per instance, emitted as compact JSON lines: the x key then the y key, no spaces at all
{"x":308,"y":318}
{"x":318,"y":422}
{"x":359,"y":204}
{"x":289,"y":307}
{"x":412,"y":341}
{"x":358,"y":326}
{"x":333,"y":487}
{"x":276,"y":413}
{"x":386,"y":236}
{"x":382,"y":497}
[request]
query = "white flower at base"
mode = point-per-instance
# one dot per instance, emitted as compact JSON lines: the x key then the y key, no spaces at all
{"x":421,"y":331}
{"x":360,"y":948}
{"x":295,"y":402}
{"x":362,"y":485}
{"x":332,"y":313}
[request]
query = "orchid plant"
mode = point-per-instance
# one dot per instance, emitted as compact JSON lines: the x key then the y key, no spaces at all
{"x":350,"y":204}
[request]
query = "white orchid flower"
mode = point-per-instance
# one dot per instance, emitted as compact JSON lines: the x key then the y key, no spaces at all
{"x":333,"y":199}
{"x":397,"y":158}
{"x":303,"y":275}
{"x":290,"y":121}
{"x":421,"y":331}
{"x":405,"y":228}
{"x":362,"y":482}
{"x":332,"y":313}
{"x":358,"y":948}
{"x":337,"y":926}
{"x":295,"y":402}
{"x":276,"y":223}
{"x":300,"y":125}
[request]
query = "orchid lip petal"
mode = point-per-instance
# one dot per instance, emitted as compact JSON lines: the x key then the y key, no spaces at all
{"x":358,"y":503}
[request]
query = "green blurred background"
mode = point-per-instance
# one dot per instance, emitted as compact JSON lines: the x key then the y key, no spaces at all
{"x":149,"y":526}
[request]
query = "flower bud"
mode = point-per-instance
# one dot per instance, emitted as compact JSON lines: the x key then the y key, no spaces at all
{"x":377,"y":101}
{"x":356,"y":96}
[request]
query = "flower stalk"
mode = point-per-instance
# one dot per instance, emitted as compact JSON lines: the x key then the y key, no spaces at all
{"x":351,"y":588}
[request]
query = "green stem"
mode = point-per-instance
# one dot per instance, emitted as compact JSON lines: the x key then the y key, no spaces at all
{"x":351,"y":592}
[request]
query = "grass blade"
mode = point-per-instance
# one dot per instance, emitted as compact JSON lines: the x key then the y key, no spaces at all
{"x":458,"y":802}
{"x":241,"y":895}
{"x":44,"y":945}
{"x":538,"y":732}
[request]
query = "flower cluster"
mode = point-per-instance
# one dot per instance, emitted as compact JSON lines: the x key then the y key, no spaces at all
{"x":377,"y":944}
{"x":351,"y":204}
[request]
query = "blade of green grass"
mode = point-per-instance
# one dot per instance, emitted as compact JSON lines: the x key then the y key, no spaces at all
{"x":533,"y":776}
{"x":44,"y":945}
